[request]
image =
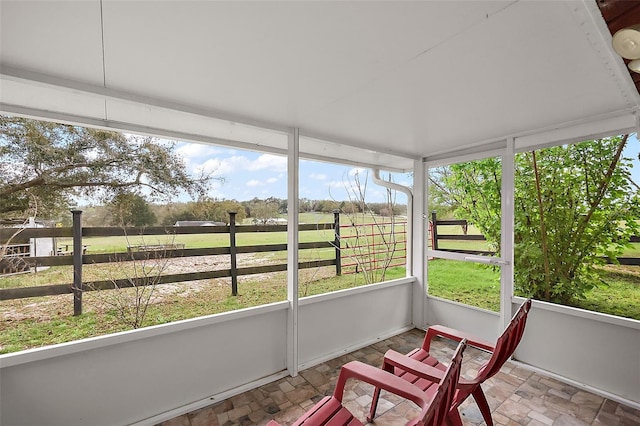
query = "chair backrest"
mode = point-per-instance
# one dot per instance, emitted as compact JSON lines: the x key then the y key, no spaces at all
{"x":436,"y":413}
{"x":507,"y":343}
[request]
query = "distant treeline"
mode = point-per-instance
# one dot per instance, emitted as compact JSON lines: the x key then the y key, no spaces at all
{"x":141,"y":213}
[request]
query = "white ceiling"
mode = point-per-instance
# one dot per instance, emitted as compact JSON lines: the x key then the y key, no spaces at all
{"x":401,"y":79}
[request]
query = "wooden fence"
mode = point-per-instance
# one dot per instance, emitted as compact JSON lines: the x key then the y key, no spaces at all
{"x":142,"y":252}
{"x":436,"y":237}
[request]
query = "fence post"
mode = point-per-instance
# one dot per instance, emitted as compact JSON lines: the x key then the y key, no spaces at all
{"x":234,"y":252}
{"x":336,"y":241}
{"x":434,"y":233}
{"x":77,"y":262}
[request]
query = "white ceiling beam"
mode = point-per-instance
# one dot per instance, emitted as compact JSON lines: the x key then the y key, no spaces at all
{"x":134,"y":128}
{"x":39,"y":79}
{"x":177,"y":135}
{"x":587,"y":128}
{"x":43,"y":80}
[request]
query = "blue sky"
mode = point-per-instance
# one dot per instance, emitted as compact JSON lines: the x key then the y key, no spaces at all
{"x":249,"y":174}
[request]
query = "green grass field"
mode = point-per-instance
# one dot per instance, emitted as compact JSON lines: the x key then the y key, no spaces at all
{"x":632,"y":251}
{"x":58,"y":324}
{"x":464,"y":282}
{"x":34,"y":322}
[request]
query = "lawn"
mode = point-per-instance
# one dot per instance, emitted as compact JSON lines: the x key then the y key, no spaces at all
{"x":479,"y":285}
{"x":632,"y":251}
{"x":97,"y":245}
{"x":34,"y":322}
{"x":43,"y":321}
{"x":53,"y":321}
{"x":617,"y":294}
{"x":119,"y":244}
{"x":465,"y":282}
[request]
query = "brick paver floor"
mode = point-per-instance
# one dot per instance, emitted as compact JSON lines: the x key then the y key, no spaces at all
{"x":517,"y":396}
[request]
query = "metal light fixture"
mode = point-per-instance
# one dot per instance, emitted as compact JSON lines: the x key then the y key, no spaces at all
{"x":626,"y":42}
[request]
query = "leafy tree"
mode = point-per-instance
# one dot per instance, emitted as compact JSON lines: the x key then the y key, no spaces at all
{"x":130,"y":209}
{"x":218,"y":210}
{"x":349,"y":208}
{"x":306,"y":205}
{"x":179,"y":215}
{"x":327,"y":206}
{"x":474,"y":190}
{"x":263,"y":210}
{"x":205,"y":209}
{"x":442,"y":200}
{"x":573,"y":204}
{"x":50,"y":164}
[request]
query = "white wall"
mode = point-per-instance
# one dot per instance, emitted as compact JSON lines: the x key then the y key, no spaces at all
{"x":157,"y":373}
{"x":599,"y":351}
{"x":127,"y":377}
{"x":333,"y":324}
{"x":479,"y":322}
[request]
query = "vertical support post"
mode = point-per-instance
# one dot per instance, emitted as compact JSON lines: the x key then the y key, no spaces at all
{"x":507,"y":231}
{"x":434,"y":231}
{"x":418,"y":225}
{"x":293,"y":237}
{"x":77,"y":262}
{"x":336,"y":241}
{"x":234,"y":253}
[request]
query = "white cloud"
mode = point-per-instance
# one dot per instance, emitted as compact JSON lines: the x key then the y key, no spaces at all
{"x":254,"y":182}
{"x":274,"y":163}
{"x":318,"y":176}
{"x":336,"y":184}
{"x":195,"y":150}
{"x":222,"y":167}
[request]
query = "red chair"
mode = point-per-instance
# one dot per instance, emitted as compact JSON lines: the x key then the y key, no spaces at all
{"x":434,"y":404}
{"x":420,"y":368}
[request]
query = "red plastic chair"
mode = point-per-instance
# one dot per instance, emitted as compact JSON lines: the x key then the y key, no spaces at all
{"x":434,"y":404}
{"x":421,"y":369}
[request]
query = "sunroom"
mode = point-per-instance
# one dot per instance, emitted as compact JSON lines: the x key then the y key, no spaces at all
{"x":395,"y":86}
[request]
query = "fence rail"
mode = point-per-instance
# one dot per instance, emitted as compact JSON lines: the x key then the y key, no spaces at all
{"x":27,"y":233}
{"x":436,"y":237}
{"x":376,"y":240}
{"x":153,"y":252}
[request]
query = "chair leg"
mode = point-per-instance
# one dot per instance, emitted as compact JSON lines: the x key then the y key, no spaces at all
{"x":481,"y":400}
{"x":376,"y":394}
{"x":374,"y":405}
{"x":453,"y":418}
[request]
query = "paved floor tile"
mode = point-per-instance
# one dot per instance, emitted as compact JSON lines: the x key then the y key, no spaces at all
{"x":517,"y":396}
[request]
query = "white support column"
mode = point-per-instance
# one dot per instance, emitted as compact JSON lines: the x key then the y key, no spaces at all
{"x":419,"y":260}
{"x":293,"y":203}
{"x":506,"y":238}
